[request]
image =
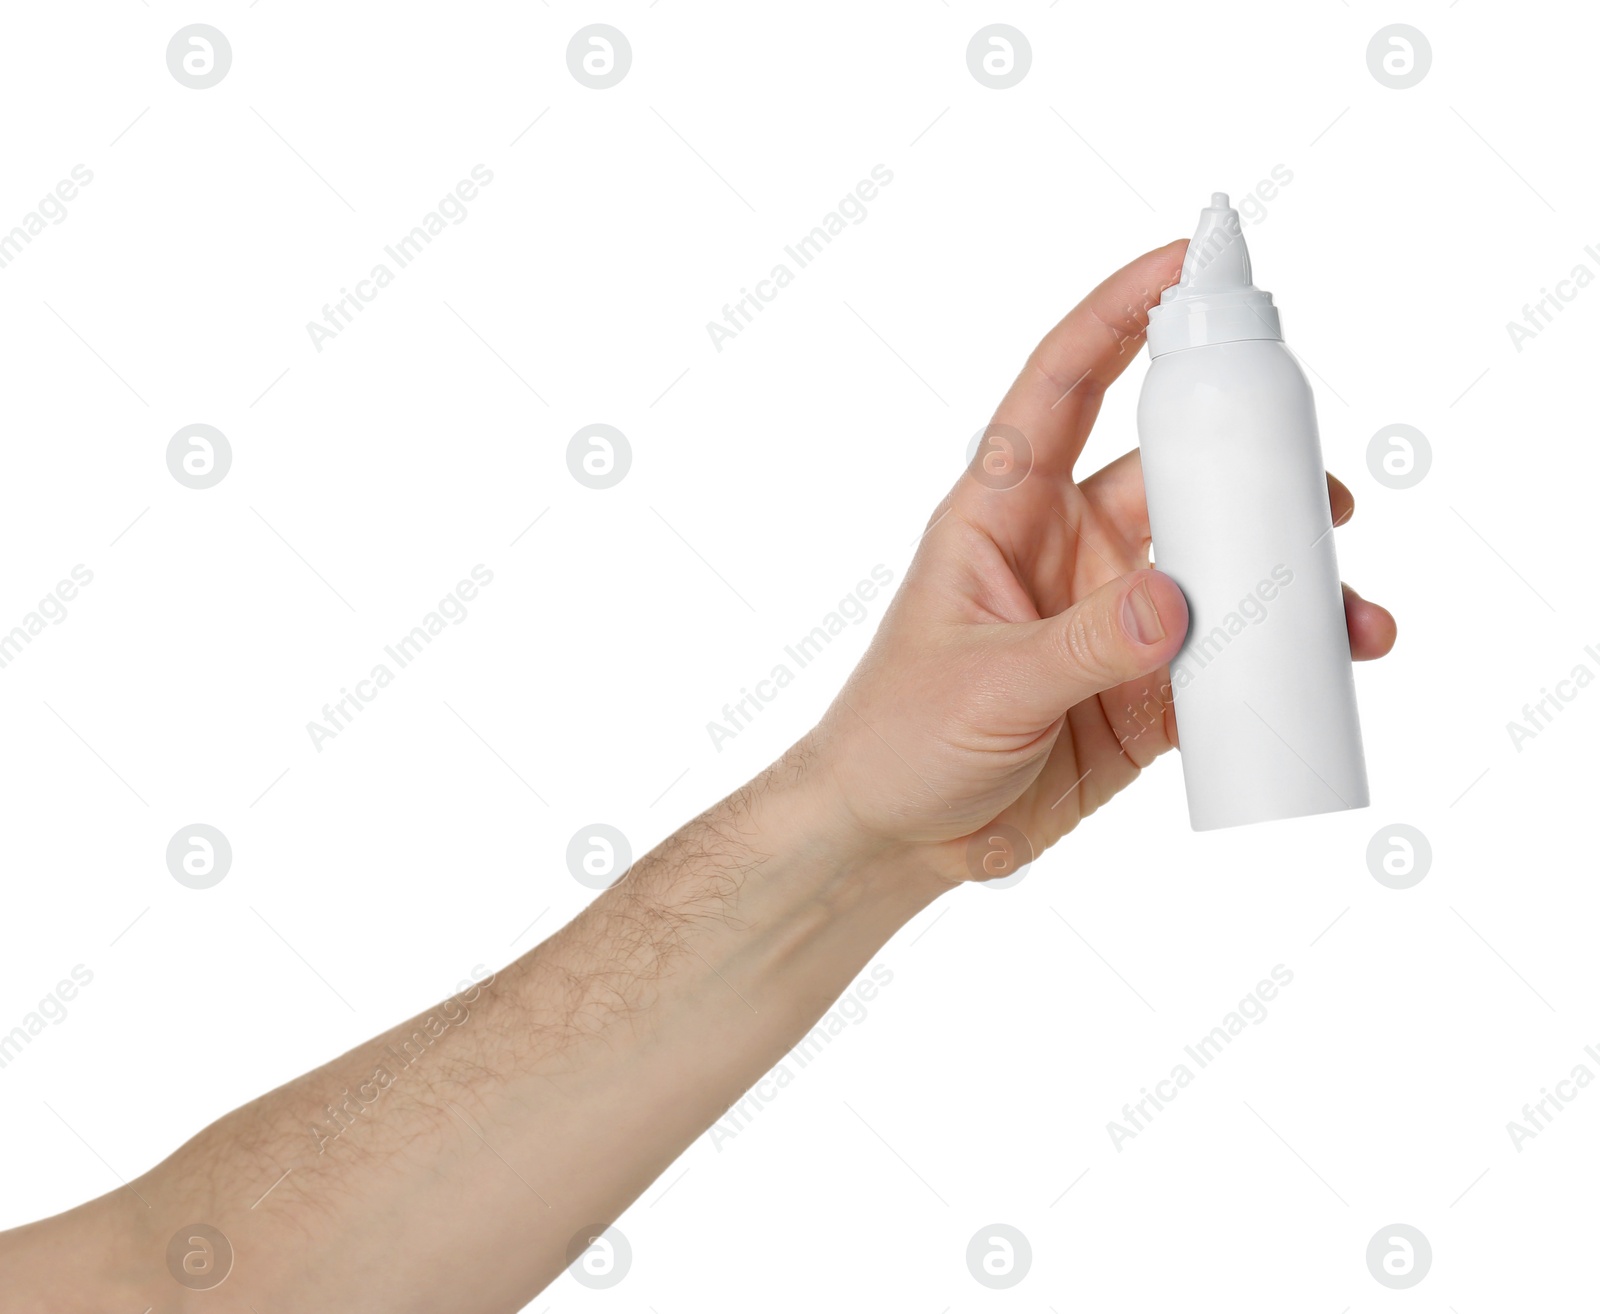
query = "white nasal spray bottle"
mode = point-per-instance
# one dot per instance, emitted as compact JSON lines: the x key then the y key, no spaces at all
{"x":1239,"y":517}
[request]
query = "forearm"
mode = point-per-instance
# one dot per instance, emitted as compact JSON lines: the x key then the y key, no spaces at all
{"x":452,"y":1170}
{"x":450,"y":1163}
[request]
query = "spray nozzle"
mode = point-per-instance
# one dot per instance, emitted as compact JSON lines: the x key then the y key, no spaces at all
{"x":1218,"y":259}
{"x":1214,"y":299}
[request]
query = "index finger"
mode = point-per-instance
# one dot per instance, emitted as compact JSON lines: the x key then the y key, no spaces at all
{"x":1055,"y":399}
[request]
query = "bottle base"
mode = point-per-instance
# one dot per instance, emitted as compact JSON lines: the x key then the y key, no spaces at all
{"x":1257,"y":816}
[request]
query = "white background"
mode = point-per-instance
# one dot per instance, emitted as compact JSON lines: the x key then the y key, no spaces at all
{"x":370,"y":877}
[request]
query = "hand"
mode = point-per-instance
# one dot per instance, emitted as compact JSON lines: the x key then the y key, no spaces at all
{"x":1020,"y":674}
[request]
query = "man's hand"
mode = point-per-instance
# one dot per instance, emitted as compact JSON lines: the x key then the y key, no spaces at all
{"x":1020,"y":675}
{"x":461,"y":1160}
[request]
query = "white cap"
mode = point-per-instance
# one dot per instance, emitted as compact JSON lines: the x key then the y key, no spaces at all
{"x":1213,"y":299}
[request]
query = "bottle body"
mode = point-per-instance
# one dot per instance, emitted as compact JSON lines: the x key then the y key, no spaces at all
{"x":1239,"y":518}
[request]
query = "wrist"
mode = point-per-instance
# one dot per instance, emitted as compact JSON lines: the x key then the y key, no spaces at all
{"x":104,"y":1254}
{"x":797,"y":808}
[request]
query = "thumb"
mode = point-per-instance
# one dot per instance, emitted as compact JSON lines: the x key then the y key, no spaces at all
{"x":1122,"y":630}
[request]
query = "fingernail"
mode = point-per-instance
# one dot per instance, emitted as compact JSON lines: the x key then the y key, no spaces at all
{"x":1140,"y":618}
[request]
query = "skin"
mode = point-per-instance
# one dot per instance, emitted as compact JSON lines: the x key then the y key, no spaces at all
{"x":1019,"y":678}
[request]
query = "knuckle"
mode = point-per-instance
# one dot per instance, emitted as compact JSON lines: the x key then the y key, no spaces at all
{"x":1082,"y":642}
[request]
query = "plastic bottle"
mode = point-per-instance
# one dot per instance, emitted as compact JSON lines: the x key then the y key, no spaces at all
{"x":1239,"y":517}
